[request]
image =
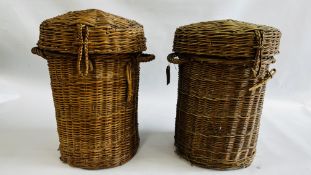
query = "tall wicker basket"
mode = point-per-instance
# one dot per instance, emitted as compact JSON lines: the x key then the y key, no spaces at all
{"x":93,"y":60}
{"x":223,"y":70}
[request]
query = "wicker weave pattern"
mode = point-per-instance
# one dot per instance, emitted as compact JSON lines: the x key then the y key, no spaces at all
{"x":217,"y":116}
{"x":97,"y":127}
{"x":107,"y":33}
{"x":221,"y":90}
{"x":228,"y":38}
{"x":93,"y":60}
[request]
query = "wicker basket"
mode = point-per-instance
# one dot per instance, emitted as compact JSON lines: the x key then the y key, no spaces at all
{"x":223,"y":69}
{"x":93,"y":60}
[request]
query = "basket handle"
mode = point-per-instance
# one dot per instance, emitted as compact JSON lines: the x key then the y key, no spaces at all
{"x":38,"y":51}
{"x":269,"y":75}
{"x":173,"y":58}
{"x":145,"y":57}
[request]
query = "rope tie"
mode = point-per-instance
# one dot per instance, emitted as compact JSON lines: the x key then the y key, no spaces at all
{"x":268,"y":76}
{"x":258,"y":56}
{"x":83,"y":50}
{"x":258,"y":62}
{"x":129,"y":82}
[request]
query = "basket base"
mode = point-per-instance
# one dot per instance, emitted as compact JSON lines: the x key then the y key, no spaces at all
{"x":93,"y":165}
{"x":209,"y":164}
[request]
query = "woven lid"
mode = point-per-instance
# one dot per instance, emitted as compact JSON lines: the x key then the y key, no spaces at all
{"x":227,"y":38}
{"x":103,"y":33}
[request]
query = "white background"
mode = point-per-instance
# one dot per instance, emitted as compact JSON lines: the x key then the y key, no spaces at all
{"x":28,"y":137}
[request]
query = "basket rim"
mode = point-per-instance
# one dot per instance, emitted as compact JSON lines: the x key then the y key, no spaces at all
{"x":229,"y":38}
{"x":107,"y":33}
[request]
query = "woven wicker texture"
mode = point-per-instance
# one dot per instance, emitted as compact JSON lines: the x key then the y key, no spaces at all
{"x":95,"y":95}
{"x":220,"y":98}
{"x":228,"y":38}
{"x":107,"y":33}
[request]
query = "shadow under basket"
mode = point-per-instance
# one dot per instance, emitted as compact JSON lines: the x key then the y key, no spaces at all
{"x":221,"y":90}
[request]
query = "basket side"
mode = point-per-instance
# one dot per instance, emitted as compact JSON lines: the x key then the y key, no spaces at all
{"x":97,"y":125}
{"x":218,"y":117}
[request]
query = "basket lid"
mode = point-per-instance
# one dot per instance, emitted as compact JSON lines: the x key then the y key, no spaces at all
{"x":227,"y":38}
{"x":102,"y":32}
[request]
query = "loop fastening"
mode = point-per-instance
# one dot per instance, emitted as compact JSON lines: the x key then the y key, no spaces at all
{"x":258,"y":56}
{"x":268,"y":76}
{"x":83,"y":38}
{"x":173,"y":58}
{"x":129,"y":82}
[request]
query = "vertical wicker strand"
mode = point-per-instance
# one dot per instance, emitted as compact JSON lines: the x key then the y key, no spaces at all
{"x":258,"y":56}
{"x":80,"y":49}
{"x":86,"y":50}
{"x":129,"y":82}
{"x":83,"y":47}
